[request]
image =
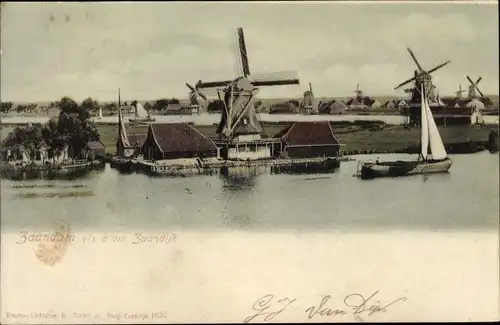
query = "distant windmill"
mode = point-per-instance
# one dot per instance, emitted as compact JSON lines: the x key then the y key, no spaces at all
{"x":309,"y":102}
{"x":358,"y":94}
{"x":474,"y":89}
{"x":194,"y":93}
{"x":359,"y":100}
{"x":420,"y":77}
{"x":238,"y":95}
{"x":459,"y":92}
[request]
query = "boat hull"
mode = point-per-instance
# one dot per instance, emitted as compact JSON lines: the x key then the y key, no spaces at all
{"x":404,"y":168}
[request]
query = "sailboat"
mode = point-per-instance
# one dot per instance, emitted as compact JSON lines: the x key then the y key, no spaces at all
{"x":435,"y":162}
{"x":100,"y":113}
{"x":141,"y":115}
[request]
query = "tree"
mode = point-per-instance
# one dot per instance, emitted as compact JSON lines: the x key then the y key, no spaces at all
{"x":5,"y":107}
{"x":161,"y":105}
{"x":215,"y":106}
{"x":174,"y":101}
{"x":74,"y":126}
{"x":90,"y":105}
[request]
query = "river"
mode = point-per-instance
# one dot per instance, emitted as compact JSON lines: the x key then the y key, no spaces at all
{"x":466,"y":198}
{"x":430,"y":241}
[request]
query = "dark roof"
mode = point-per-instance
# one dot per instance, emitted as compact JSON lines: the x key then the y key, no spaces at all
{"x":95,"y":145}
{"x":245,"y":129}
{"x":136,"y":138}
{"x":180,"y":137}
{"x":309,"y":133}
{"x":174,"y":107}
{"x":136,"y":133}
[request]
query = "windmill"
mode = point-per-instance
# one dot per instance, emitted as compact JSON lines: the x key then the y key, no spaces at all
{"x":239,"y":115}
{"x":474,"y":89}
{"x":358,"y":94}
{"x":459,"y":92}
{"x":309,"y":102}
{"x":194,"y":93}
{"x":420,"y":77}
{"x":360,"y":100}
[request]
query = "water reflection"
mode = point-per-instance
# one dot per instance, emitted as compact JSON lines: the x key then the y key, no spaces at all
{"x":69,"y":175}
{"x":242,"y":178}
{"x":326,"y":167}
{"x":259,"y":198}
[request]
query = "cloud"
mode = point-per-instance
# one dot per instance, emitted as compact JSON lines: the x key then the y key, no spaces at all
{"x":150,"y":50}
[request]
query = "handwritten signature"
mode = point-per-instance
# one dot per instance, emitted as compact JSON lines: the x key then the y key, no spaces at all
{"x":267,"y":307}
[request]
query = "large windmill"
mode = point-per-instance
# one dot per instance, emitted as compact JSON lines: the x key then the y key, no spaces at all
{"x":239,"y":115}
{"x":420,"y":77}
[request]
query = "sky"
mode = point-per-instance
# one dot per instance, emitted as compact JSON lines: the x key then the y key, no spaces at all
{"x":149,"y":50}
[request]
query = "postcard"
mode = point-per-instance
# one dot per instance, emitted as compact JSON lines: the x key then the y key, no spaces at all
{"x":249,"y":162}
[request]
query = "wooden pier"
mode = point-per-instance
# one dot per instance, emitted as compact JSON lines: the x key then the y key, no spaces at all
{"x":202,"y":166}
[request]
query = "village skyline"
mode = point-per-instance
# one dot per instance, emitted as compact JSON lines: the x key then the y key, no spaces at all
{"x":90,"y":50}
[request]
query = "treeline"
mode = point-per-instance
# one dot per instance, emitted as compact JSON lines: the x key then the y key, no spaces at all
{"x":72,"y":128}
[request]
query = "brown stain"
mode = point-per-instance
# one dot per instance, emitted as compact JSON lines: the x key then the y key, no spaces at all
{"x":52,"y":18}
{"x":67,"y":18}
{"x":51,"y":253}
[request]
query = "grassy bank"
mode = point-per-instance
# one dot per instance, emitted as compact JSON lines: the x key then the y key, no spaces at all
{"x":355,"y":137}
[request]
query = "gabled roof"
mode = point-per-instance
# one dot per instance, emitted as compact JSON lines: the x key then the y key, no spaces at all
{"x":174,"y":107}
{"x":309,"y":133}
{"x":95,"y":145}
{"x":135,"y":134}
{"x":179,"y":137}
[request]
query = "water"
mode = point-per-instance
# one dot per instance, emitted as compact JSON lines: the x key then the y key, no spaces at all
{"x":258,"y":200}
{"x":209,"y":119}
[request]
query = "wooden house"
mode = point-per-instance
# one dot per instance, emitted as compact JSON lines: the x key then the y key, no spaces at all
{"x":309,"y":140}
{"x":175,"y":141}
{"x":95,"y":149}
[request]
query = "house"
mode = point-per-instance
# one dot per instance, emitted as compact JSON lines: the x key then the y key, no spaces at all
{"x":247,"y":143}
{"x":175,"y":141}
{"x":19,"y":153}
{"x":95,"y":149}
{"x":309,"y":140}
{"x":332,"y":107}
{"x":178,"y":109}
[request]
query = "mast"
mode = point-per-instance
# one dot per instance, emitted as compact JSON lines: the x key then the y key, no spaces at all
{"x":122,"y":133}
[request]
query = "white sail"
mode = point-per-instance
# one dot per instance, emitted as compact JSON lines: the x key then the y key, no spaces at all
{"x":122,"y":133}
{"x":424,"y":126}
{"x":100,"y":113}
{"x":140,"y":112}
{"x":438,"y":151}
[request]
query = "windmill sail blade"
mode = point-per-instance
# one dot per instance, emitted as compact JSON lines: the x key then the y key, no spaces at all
{"x":478,"y":80}
{"x":404,"y":83}
{"x":276,"y":82}
{"x":438,"y":67}
{"x":243,"y":52}
{"x":275,"y":79}
{"x":479,"y":91}
{"x":189,"y":86}
{"x":415,"y":59}
{"x":470,"y":80}
{"x":202,"y":95}
{"x":213,"y":84}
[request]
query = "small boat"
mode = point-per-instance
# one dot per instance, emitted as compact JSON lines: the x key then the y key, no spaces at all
{"x":435,"y":162}
{"x":141,"y":115}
